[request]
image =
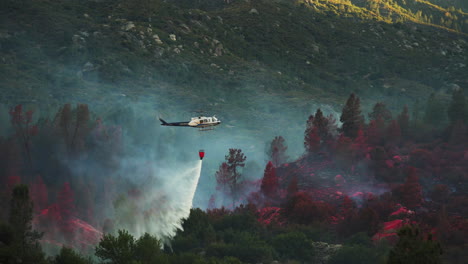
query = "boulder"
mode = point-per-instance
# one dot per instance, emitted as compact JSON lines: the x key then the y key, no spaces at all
{"x":128,"y":26}
{"x":157,"y":39}
{"x":253,"y":11}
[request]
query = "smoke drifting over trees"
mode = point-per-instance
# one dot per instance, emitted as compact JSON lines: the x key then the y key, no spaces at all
{"x":367,"y":182}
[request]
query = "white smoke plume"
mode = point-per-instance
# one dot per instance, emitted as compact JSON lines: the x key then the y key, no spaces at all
{"x":164,"y":200}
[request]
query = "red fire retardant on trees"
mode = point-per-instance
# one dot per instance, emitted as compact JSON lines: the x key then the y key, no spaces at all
{"x":269,"y":185}
{"x":312,"y":140}
{"x":412,"y":191}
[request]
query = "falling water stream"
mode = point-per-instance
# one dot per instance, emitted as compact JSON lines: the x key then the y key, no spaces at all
{"x":174,"y":201}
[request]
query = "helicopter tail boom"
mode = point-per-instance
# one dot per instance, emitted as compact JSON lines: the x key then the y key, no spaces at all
{"x":164,"y":123}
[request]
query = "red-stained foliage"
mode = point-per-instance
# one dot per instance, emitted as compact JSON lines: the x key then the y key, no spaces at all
{"x":381,"y":151}
{"x":348,"y":207}
{"x":383,"y":205}
{"x":380,"y":166}
{"x":411,"y":195}
{"x":292,"y":186}
{"x":270,"y":216}
{"x":393,"y":225}
{"x":402,"y":211}
{"x":270,"y":184}
{"x":347,"y":215}
{"x":353,"y":220}
{"x":312,"y":140}
{"x":301,"y":209}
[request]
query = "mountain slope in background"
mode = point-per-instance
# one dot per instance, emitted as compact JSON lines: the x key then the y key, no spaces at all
{"x":200,"y":53}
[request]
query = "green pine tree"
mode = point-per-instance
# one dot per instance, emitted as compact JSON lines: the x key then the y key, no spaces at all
{"x":351,"y":117}
{"x":69,"y":256}
{"x":413,"y":248}
{"x":22,"y":242}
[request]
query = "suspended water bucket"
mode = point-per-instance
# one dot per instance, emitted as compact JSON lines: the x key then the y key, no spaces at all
{"x":201,"y":154}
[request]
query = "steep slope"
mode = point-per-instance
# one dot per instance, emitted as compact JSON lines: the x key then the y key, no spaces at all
{"x":298,"y":50}
{"x":448,"y":3}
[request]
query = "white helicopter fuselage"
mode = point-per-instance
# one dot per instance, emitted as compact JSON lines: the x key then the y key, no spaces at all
{"x":200,"y":122}
{"x":204,"y":121}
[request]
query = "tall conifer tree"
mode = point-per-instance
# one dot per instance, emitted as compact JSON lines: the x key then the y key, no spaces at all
{"x":380,"y":111}
{"x":277,"y":151}
{"x":321,"y":123}
{"x":351,"y":117}
{"x":269,"y":185}
{"x":25,"y":246}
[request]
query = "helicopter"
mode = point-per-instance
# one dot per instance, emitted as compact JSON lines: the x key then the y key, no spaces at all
{"x":203,"y":122}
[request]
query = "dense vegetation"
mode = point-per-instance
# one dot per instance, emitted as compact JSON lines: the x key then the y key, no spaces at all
{"x":391,"y":190}
{"x":388,"y":186}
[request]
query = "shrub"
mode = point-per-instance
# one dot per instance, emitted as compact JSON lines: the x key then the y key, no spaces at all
{"x":69,"y":256}
{"x":355,"y":255}
{"x":293,"y":245}
{"x":244,"y":246}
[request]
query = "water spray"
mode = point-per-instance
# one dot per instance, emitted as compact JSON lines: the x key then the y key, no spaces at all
{"x":167,"y":201}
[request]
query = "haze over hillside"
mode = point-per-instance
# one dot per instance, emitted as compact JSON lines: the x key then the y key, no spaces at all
{"x":343,"y":121}
{"x":262,"y":66}
{"x":294,"y":48}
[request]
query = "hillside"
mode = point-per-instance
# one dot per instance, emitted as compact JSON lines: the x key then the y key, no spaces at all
{"x":455,"y":3}
{"x":315,"y":137}
{"x":301,"y":51}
